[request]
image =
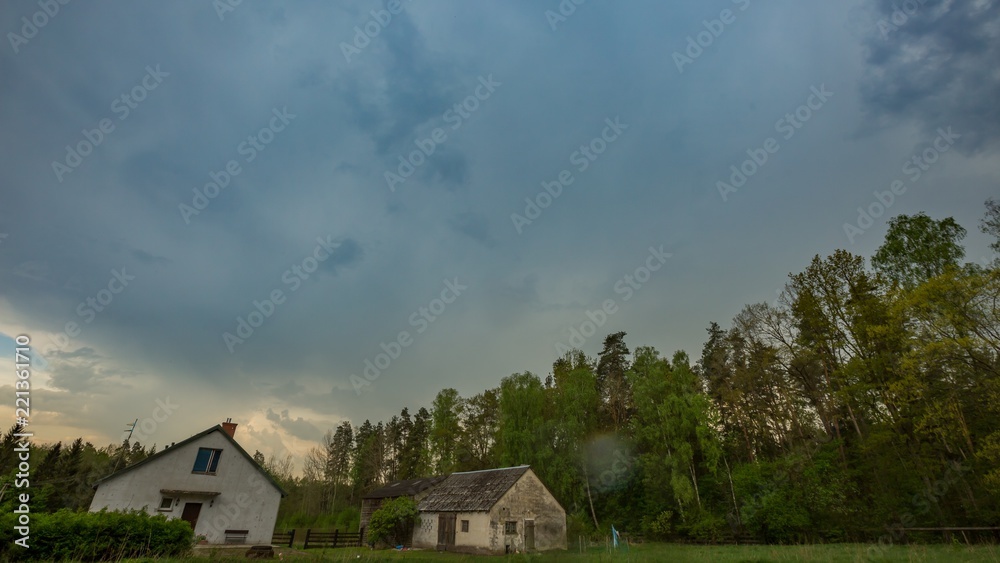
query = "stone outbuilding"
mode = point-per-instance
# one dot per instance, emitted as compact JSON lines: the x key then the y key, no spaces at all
{"x":207,"y":480}
{"x":491,"y":511}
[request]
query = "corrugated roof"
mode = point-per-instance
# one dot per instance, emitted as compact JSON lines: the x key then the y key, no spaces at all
{"x":471,"y":491}
{"x":406,"y":488}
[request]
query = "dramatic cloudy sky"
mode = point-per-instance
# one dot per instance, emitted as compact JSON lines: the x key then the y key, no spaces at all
{"x":179,"y":87}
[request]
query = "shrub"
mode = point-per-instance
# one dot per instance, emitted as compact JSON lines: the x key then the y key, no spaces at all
{"x":96,"y":536}
{"x":348,"y":518}
{"x":658,"y":527}
{"x":393,"y":522}
{"x":707,"y":527}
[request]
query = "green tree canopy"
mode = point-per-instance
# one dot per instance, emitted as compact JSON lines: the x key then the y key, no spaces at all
{"x":917,"y":248}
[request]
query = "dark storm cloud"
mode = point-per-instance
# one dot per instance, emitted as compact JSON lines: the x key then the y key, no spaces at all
{"x":323,"y":177}
{"x":934,"y":61}
{"x":83,"y":371}
{"x":298,"y":427}
{"x":418,"y":87}
{"x":475,"y":226}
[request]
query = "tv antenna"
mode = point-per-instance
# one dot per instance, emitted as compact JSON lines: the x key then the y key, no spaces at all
{"x":131,"y":429}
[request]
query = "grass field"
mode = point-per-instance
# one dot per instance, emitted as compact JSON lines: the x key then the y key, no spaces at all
{"x":669,"y":553}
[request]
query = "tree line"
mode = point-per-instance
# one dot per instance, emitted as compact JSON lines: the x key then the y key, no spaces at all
{"x":867,"y":396}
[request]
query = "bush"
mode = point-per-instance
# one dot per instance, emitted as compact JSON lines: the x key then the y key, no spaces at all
{"x":706,"y":527}
{"x":773,"y":508}
{"x":348,"y":518}
{"x":96,"y":536}
{"x":658,"y":527}
{"x":393,"y":522}
{"x":578,"y":524}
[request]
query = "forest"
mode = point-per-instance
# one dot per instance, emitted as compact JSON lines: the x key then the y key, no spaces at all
{"x":866,"y":397}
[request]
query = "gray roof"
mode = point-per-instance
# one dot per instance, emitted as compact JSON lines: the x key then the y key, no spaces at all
{"x":471,"y":491}
{"x":406,"y":488}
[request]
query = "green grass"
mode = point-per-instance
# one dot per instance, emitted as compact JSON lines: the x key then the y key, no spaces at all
{"x":662,"y":552}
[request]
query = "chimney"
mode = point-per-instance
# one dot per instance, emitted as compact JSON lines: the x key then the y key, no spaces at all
{"x":230,"y":427}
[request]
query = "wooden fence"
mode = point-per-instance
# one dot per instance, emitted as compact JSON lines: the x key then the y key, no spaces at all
{"x":284,"y":538}
{"x":336,"y":538}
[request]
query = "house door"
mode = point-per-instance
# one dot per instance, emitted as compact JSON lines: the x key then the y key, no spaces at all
{"x":446,"y":531}
{"x":191,"y":512}
{"x":529,"y":535}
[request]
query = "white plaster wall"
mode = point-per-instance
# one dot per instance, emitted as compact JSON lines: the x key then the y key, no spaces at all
{"x":248,"y":501}
{"x":425,"y":534}
{"x":479,"y":530}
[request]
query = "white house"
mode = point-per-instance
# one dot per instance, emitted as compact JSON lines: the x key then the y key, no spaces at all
{"x":207,"y":480}
{"x":491,"y":511}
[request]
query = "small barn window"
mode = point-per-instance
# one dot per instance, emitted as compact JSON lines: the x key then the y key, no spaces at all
{"x":207,"y":461}
{"x":510,"y":528}
{"x":465,"y":526}
{"x":166,"y":503}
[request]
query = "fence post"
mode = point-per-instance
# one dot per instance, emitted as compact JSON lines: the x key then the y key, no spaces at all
{"x":291,"y":539}
{"x":336,"y":532}
{"x":306,"y":546}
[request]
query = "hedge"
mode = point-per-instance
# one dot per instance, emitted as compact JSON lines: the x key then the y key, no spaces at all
{"x":95,"y":536}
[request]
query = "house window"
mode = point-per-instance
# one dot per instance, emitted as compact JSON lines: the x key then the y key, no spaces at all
{"x":465,"y":526}
{"x":510,"y":528}
{"x":207,"y":461}
{"x":166,"y":503}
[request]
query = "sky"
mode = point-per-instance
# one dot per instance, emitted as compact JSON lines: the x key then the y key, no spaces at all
{"x":302,"y":213}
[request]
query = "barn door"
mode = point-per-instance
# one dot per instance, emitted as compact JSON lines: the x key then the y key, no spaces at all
{"x":446,"y":531}
{"x":191,"y":512}
{"x":529,"y":535}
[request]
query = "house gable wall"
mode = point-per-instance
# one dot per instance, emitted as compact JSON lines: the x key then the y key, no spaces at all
{"x":246,"y":500}
{"x":528,"y":499}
